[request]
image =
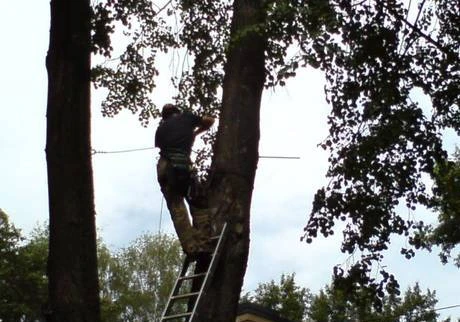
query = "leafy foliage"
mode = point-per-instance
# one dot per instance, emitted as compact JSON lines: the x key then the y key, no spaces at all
{"x":131,"y":81}
{"x":286,"y":298}
{"x":136,"y":281}
{"x":23,"y":283}
{"x":447,"y":202}
{"x":382,"y":141}
{"x":333,"y":305}
{"x":195,"y":30}
{"x":198,"y":33}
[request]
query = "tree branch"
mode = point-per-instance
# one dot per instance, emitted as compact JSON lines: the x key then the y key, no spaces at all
{"x":423,"y":35}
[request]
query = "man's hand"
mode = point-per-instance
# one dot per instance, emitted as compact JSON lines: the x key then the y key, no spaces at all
{"x":205,"y":124}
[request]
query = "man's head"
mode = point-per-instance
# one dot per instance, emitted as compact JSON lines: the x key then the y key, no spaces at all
{"x":168,"y":110}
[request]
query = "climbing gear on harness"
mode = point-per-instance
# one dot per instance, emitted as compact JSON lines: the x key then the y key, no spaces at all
{"x":180,"y":169}
{"x":179,"y":159}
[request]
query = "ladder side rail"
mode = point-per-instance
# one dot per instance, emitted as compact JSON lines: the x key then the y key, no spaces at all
{"x":211,"y":268}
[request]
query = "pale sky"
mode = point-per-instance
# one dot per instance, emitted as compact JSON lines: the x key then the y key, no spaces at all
{"x":128,"y":199}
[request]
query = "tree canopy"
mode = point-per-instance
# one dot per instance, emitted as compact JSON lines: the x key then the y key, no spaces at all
{"x":285,"y":297}
{"x":135,"y":281}
{"x":332,"y":304}
{"x":383,"y":141}
{"x":23,"y":282}
{"x":446,"y":191}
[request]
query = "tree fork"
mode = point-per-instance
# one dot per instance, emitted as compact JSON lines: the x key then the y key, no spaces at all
{"x":72,"y":263}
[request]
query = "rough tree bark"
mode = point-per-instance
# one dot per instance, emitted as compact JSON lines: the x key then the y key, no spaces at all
{"x":72,"y":263}
{"x":235,"y":157}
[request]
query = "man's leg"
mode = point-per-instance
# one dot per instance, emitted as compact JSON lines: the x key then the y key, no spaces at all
{"x":175,"y":201}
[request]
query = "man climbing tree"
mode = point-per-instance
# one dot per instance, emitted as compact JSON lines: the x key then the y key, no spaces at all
{"x":374,"y":55}
{"x":235,"y":151}
{"x":175,"y":136}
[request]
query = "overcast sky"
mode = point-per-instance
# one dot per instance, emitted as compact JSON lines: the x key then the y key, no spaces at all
{"x":128,"y":199}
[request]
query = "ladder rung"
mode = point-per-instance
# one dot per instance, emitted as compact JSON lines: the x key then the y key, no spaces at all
{"x":184,"y":296}
{"x":176,"y":316}
{"x":189,"y":277}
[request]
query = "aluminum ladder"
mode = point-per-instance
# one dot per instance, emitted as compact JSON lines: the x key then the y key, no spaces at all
{"x":178,"y":295}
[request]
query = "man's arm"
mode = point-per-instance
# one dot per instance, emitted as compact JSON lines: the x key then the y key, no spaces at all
{"x":205,"y":124}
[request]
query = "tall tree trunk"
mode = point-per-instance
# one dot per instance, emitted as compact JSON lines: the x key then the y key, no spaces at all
{"x":236,"y":156}
{"x":72,"y":263}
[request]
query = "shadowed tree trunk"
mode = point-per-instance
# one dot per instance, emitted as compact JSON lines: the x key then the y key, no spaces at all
{"x":72,"y":264}
{"x":236,"y":156}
